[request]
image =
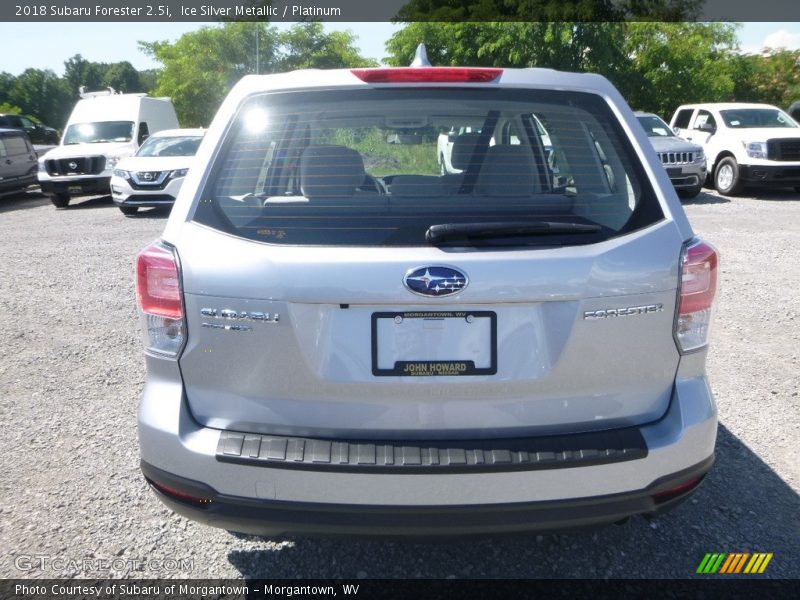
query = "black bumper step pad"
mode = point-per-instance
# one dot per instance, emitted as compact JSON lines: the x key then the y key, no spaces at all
{"x":494,"y":455}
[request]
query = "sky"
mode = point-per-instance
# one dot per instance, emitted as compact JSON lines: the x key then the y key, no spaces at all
{"x":53,"y":43}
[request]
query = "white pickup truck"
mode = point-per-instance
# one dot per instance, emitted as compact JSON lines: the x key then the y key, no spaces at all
{"x":745,"y":144}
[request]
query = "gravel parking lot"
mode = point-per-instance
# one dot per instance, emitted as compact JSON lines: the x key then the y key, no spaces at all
{"x":74,"y":504}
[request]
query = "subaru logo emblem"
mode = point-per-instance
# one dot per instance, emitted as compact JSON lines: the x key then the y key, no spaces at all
{"x":435,"y":281}
{"x":73,"y":166}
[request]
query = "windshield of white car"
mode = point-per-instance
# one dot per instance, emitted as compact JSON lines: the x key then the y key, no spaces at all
{"x":655,"y":127}
{"x":170,"y":146}
{"x":746,"y":118}
{"x":379,"y":167}
{"x":103,"y":131}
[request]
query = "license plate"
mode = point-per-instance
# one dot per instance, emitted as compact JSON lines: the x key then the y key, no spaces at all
{"x":75,"y":189}
{"x":434,"y":343}
{"x":674,"y":171}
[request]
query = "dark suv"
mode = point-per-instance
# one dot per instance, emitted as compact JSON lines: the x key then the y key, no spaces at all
{"x":37,"y":132}
{"x":18,"y":164}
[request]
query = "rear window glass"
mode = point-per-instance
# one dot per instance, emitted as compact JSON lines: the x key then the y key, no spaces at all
{"x":380,"y":167}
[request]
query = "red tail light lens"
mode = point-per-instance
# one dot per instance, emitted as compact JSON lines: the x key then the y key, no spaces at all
{"x":157,"y":282}
{"x":158,"y":290}
{"x":428,"y":74}
{"x":699,"y":279}
{"x":698,"y":289}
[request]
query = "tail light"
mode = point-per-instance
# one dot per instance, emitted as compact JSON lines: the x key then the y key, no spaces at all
{"x":158,"y":292}
{"x":698,"y":289}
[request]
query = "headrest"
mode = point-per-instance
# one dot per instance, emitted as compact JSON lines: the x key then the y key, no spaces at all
{"x":463,"y":146}
{"x":330,"y":171}
{"x":507,"y":171}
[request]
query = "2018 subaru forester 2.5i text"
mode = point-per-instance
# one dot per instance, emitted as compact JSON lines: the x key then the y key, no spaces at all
{"x":342,"y":339}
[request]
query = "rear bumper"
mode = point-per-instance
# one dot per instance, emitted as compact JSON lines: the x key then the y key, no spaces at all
{"x":271,"y":517}
{"x":777,"y":175}
{"x":274,"y":499}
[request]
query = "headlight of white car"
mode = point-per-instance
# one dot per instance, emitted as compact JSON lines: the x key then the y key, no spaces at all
{"x":121,"y":173}
{"x":179,"y":173}
{"x":756,"y":149}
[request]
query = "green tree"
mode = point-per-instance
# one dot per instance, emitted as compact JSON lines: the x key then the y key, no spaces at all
{"x":596,"y":47}
{"x":42,"y":94}
{"x":676,"y":63}
{"x":7,"y":108}
{"x":772,"y":77}
{"x":123,"y":77}
{"x":656,"y":66}
{"x":80,"y":72}
{"x":548,"y":10}
{"x":6,"y":82}
{"x":307,"y":46}
{"x":201,"y":67}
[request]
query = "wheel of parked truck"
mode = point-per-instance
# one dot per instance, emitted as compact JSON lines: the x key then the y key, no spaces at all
{"x":726,"y":177}
{"x":60,"y":200}
{"x":129,"y":210}
{"x":691,"y":192}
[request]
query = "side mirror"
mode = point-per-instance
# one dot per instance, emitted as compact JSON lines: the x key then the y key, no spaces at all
{"x":676,"y":130}
{"x":707,"y":127}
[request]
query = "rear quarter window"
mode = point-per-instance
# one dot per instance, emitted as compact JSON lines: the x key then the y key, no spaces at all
{"x":360,"y":167}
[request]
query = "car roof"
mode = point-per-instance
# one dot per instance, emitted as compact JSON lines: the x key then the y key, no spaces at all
{"x":345,"y":78}
{"x":640,"y":113}
{"x":193,"y":132}
{"x":727,"y":105}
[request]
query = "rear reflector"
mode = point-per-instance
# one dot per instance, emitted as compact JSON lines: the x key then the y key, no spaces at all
{"x":179,"y":495}
{"x":698,"y":289}
{"x":677,"y":490}
{"x":428,"y":74}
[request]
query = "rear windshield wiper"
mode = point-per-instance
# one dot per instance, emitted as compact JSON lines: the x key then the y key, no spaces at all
{"x":454,"y":231}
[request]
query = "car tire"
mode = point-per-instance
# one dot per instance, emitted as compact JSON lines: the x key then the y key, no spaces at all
{"x":129,"y":210}
{"x":691,"y":192}
{"x":60,"y":200}
{"x":726,"y":177}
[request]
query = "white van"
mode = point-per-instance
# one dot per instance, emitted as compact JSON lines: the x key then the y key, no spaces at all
{"x":103,"y":128}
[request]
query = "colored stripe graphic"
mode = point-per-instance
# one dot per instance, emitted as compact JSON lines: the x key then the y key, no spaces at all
{"x":734,"y":562}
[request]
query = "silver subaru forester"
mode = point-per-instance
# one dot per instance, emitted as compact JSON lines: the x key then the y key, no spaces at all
{"x":342,"y":339}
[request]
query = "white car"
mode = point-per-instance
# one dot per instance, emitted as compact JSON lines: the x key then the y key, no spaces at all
{"x":153,"y":176}
{"x":744,"y":143}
